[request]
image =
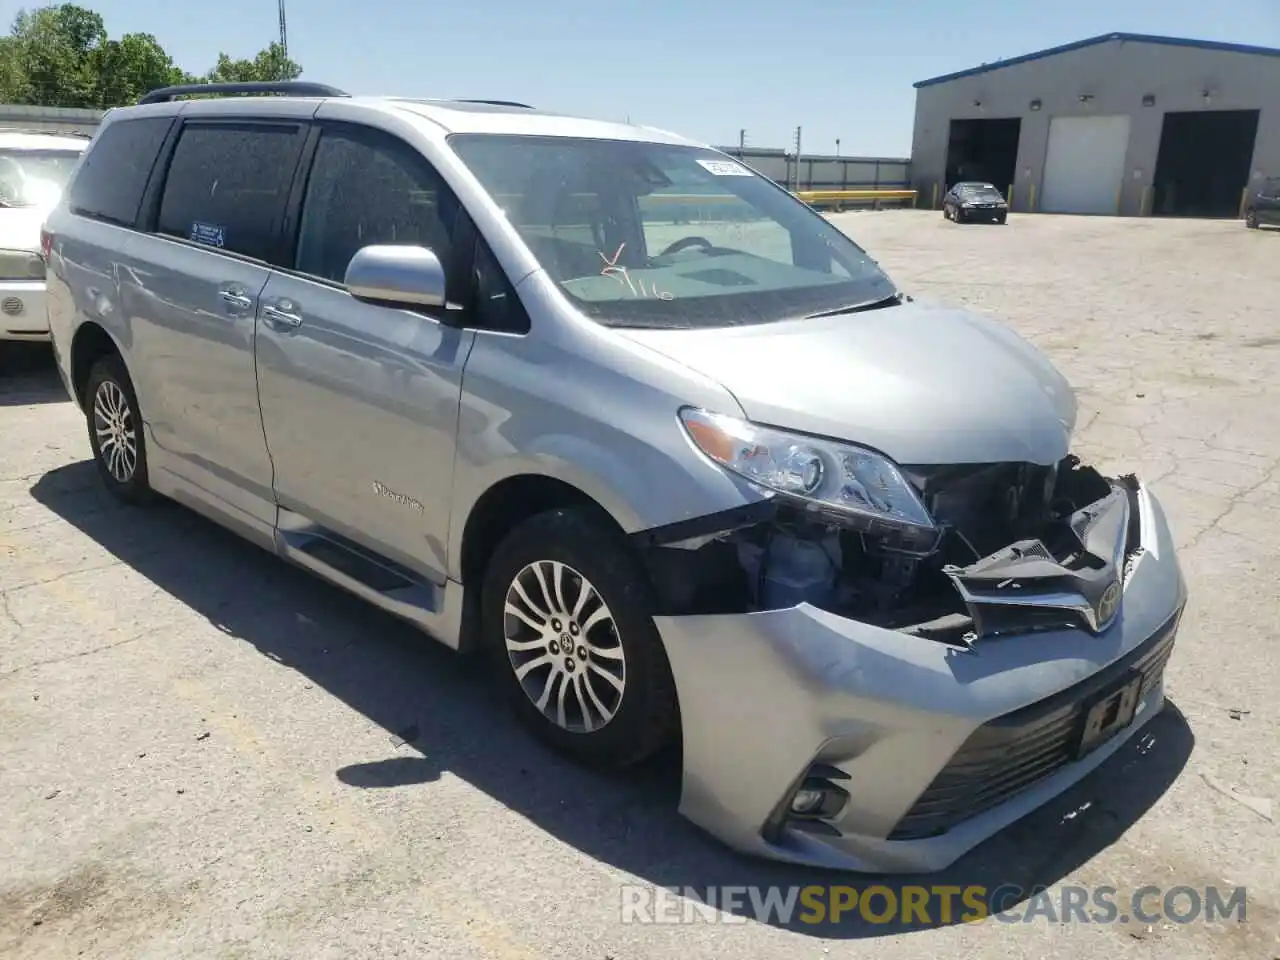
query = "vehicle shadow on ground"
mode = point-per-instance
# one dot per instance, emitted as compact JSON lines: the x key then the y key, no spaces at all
{"x":445,"y":710}
{"x":28,"y":375}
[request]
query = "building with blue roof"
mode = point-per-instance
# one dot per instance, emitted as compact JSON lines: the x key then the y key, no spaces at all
{"x":1121,"y":124}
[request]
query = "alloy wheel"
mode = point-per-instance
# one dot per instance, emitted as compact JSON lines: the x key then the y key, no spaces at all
{"x":115,"y":430}
{"x":564,"y":646}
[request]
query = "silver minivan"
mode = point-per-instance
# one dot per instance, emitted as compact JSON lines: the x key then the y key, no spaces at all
{"x":642,"y":427}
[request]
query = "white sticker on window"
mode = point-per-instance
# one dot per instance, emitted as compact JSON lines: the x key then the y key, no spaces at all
{"x":725,"y":168}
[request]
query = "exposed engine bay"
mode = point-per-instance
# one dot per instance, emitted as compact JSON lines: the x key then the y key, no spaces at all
{"x":1017,"y":547}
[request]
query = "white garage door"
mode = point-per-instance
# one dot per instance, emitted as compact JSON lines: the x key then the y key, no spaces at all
{"x":1085,"y":164}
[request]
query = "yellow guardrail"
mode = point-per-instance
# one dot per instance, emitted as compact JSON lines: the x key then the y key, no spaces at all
{"x":808,"y":196}
{"x":690,"y":207}
{"x":854,"y":196}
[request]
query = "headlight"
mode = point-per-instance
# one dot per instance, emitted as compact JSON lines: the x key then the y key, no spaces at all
{"x":21,"y":265}
{"x":850,"y":482}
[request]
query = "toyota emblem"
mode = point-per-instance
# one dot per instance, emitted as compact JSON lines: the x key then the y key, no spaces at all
{"x":1108,"y":603}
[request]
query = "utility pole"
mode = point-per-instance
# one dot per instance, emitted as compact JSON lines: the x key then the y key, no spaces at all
{"x":284,"y":33}
{"x":797,"y":158}
{"x":837,"y":146}
{"x":742,"y":143}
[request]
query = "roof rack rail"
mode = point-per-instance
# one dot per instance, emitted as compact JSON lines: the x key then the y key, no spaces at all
{"x":291,"y":88}
{"x":499,"y":103}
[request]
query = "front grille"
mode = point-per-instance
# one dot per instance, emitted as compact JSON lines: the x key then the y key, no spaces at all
{"x":1011,"y":753}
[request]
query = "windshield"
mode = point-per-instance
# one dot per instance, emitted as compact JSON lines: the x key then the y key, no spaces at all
{"x":653,"y":235}
{"x":980,"y":191}
{"x":34,"y":178}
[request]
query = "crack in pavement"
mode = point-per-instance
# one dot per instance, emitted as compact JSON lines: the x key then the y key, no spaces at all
{"x":115,"y":561}
{"x":1231,"y":503}
{"x":6,"y":674}
{"x":8,"y":612}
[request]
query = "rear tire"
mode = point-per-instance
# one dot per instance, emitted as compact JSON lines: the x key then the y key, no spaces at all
{"x":1251,"y":220}
{"x":115,"y":431}
{"x":566,"y":614}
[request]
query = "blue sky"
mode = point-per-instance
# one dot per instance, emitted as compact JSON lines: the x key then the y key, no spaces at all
{"x":704,"y":69}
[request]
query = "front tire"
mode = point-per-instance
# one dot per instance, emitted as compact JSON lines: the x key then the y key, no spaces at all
{"x":1251,"y":220}
{"x":115,"y":431}
{"x":566,"y":611}
{"x":957,"y":215}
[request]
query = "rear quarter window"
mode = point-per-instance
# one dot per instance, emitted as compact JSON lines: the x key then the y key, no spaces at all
{"x":228,"y":184}
{"x":112,"y":176}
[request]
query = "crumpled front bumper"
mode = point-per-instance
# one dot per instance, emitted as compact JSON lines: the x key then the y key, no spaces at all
{"x":766,"y":696}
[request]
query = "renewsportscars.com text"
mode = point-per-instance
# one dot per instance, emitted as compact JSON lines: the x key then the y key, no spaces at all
{"x":930,"y":905}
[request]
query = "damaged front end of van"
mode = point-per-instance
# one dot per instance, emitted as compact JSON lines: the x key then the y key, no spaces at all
{"x":880,"y":665}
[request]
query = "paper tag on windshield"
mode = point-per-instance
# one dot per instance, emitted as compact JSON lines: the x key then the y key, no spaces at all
{"x":725,"y":168}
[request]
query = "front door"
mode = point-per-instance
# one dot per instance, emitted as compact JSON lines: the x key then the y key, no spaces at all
{"x":360,"y":402}
{"x":192,"y":292}
{"x":1268,"y":202}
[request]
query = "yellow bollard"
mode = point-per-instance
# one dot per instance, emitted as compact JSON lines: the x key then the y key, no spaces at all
{"x":1244,"y":201}
{"x":1031,"y":204}
{"x":1147,"y":193}
{"x":1008,"y":197}
{"x":933,"y":204}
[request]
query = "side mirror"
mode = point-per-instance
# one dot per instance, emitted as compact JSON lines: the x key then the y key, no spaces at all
{"x":396,"y":275}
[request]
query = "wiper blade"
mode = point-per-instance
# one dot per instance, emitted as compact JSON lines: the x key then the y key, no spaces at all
{"x":890,"y":301}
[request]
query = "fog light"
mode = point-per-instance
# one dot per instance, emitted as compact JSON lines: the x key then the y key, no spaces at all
{"x":807,"y":801}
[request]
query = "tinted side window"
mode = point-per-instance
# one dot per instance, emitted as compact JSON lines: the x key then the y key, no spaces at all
{"x":228,"y":184}
{"x":113,"y":174}
{"x":367,"y":188}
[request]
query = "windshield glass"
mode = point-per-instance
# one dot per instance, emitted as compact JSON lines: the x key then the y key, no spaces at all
{"x":980,"y":191}
{"x":653,"y":235}
{"x":34,"y":178}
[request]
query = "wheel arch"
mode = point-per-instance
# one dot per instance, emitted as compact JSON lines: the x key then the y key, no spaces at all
{"x":504,"y":505}
{"x":91,"y":342}
{"x":507,"y":503}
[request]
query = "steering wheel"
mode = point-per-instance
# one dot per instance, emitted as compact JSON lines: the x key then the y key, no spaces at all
{"x":685,"y":243}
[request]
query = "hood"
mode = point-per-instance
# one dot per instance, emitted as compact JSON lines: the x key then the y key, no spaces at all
{"x":20,"y":227}
{"x":924,"y":384}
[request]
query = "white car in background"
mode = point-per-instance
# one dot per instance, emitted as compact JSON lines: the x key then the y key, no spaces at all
{"x":34,"y":169}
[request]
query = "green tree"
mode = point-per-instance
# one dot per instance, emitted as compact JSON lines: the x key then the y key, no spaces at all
{"x":53,"y":49}
{"x":61,"y":56}
{"x":270,"y":64}
{"x":129,"y":67}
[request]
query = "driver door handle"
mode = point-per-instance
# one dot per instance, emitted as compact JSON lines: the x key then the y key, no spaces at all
{"x":281,"y":319}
